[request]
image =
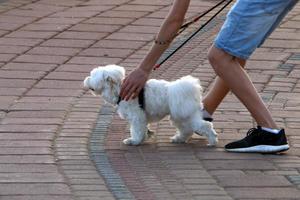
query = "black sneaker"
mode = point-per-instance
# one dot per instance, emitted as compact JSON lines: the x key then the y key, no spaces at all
{"x":260,"y":141}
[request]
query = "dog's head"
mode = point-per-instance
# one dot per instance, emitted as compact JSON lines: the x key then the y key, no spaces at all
{"x":105,"y":78}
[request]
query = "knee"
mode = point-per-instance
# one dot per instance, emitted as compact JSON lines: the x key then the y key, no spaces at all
{"x":215,"y":59}
{"x":219,"y":60}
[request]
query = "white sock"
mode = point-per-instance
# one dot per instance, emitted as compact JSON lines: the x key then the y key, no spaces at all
{"x":270,"y":130}
{"x":206,"y":114}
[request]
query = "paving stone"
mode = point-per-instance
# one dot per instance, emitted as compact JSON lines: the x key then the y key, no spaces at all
{"x":249,"y":180}
{"x":265,"y":192}
{"x":238,"y":164}
{"x":29,"y":66}
{"x":38,"y":197}
{"x":30,"y":189}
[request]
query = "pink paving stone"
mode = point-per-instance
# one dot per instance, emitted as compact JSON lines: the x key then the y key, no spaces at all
{"x":148,"y":22}
{"x":2,"y":32}
{"x":26,"y":159}
{"x":37,"y":188}
{"x":37,"y":168}
{"x":34,"y":114}
{"x":119,"y":44}
{"x":81,"y":35}
{"x":12,"y":91}
{"x":38,"y":197}
{"x":16,"y":83}
{"x":61,"y":3}
{"x":154,"y":2}
{"x":128,"y":14}
{"x":271,"y":56}
{"x":6,"y":57}
{"x":238,"y":164}
{"x":10,"y":26}
{"x":109,"y":20}
{"x":75,"y":14}
{"x":105,"y":2}
{"x":93,"y":60}
{"x":67,"y":43}
{"x":290,"y":24}
{"x":140,"y":29}
{"x":95,"y":28}
{"x":27,"y":128}
{"x":19,"y":41}
{"x":51,"y":59}
{"x":32,"y":121}
{"x":24,"y":143}
{"x":46,"y":27}
{"x":13,"y":49}
{"x":16,"y":19}
{"x":58,"y":51}
{"x":147,"y":8}
{"x":285,"y":35}
{"x":104,"y":52}
{"x":30,"y":178}
{"x":249,"y":180}
{"x":31,"y":34}
{"x":59,"y":84}
{"x":86,"y":8}
{"x":39,"y":106}
{"x":265,"y":192}
{"x":45,"y":99}
{"x":28,"y":13}
{"x":55,"y":92}
{"x":59,"y":20}
{"x":282,"y":43}
{"x":75,"y":68}
{"x":35,"y":67}
{"x":43,"y":7}
{"x":66,"y":76}
{"x":131,"y":36}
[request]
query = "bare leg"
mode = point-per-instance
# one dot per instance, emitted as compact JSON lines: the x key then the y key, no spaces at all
{"x":218,"y":92}
{"x":231,"y":72}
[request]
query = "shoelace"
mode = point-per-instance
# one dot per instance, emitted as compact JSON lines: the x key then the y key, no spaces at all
{"x":252,"y":131}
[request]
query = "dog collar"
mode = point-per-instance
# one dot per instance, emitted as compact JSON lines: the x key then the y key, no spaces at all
{"x":141,"y":99}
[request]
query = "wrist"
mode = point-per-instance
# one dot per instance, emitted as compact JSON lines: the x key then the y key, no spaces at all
{"x":146,"y":70}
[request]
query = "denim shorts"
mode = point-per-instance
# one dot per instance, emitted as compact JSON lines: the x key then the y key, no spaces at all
{"x":249,"y":23}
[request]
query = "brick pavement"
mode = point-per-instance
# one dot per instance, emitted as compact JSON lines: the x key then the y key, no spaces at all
{"x":59,"y":142}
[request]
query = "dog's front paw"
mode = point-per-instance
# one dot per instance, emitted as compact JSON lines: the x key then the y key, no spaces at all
{"x":212,"y":141}
{"x":177,"y":139}
{"x":130,"y":141}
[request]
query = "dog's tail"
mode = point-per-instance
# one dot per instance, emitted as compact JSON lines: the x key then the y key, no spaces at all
{"x":185,"y":97}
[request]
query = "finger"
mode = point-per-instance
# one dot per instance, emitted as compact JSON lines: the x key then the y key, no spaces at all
{"x":131,"y":93}
{"x":123,"y":87}
{"x":126,"y":89}
{"x":137,"y":92}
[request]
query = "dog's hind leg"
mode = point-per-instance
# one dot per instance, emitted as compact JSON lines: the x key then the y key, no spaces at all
{"x":205,"y":128}
{"x":184,"y":132}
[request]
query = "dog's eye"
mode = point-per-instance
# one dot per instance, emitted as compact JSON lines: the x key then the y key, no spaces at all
{"x":92,"y":89}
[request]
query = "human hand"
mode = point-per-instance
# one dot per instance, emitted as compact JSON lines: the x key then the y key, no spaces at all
{"x":133,"y":84}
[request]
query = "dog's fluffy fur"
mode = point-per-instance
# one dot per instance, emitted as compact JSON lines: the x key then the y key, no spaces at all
{"x":181,"y":99}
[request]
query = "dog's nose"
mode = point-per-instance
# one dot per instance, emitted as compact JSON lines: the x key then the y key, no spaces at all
{"x":86,"y":83}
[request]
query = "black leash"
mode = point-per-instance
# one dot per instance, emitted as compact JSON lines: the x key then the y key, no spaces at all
{"x":183,"y":27}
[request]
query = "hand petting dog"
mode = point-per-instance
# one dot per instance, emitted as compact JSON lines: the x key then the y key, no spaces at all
{"x":133,"y":84}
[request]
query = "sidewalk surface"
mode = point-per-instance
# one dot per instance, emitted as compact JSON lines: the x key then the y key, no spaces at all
{"x":58,"y":142}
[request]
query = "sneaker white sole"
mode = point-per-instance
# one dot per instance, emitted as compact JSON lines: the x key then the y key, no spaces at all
{"x":261,"y":149}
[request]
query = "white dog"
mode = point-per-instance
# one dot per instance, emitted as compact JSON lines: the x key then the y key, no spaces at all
{"x":181,"y":99}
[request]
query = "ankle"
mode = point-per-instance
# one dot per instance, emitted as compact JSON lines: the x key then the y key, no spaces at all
{"x":206,"y":114}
